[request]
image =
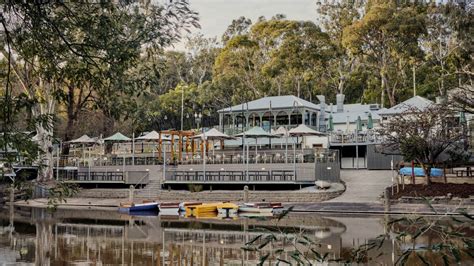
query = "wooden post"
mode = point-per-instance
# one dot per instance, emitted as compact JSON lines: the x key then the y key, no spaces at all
{"x":246,"y":193}
{"x":172,"y":147}
{"x":180,"y":145}
{"x":160,"y":146}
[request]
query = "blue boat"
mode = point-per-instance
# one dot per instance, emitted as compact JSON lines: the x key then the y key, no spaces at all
{"x":138,"y":207}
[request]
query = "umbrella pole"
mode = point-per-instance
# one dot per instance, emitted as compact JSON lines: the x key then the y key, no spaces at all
{"x":247,"y":174}
{"x":286,"y":149}
{"x":256,"y":153}
{"x":294,"y":158}
{"x":133,"y":148}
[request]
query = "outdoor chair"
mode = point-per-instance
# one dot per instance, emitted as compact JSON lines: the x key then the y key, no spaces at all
{"x":218,"y":158}
{"x":277,"y":158}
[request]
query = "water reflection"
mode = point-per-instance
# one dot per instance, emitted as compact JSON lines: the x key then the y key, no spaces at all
{"x":107,"y":237}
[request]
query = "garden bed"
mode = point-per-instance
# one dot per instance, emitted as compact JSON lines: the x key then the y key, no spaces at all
{"x":434,"y":190}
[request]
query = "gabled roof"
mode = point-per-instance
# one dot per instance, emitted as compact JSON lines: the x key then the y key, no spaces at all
{"x":276,"y":102}
{"x":353,"y":111}
{"x":416,"y":101}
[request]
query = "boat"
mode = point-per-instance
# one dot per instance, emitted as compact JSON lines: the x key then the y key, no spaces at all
{"x":255,"y":214}
{"x":183,"y":205}
{"x":261,"y":207}
{"x":130,"y":207}
{"x":202,"y":210}
{"x":169,"y":208}
{"x":227,"y":209}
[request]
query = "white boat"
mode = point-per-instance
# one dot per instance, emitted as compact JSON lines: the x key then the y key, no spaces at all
{"x":169,"y":208}
{"x":256,"y":208}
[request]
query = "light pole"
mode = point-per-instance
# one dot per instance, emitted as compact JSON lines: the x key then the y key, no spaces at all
{"x":198,"y":118}
{"x":105,"y":164}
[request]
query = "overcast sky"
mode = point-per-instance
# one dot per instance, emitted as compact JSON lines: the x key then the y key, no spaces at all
{"x":216,"y":15}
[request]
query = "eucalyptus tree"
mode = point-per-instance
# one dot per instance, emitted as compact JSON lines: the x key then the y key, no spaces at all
{"x":334,"y":17}
{"x":385,"y":38}
{"x":46,"y":41}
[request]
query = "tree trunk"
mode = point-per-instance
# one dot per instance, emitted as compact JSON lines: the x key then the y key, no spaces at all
{"x":427,"y":170}
{"x":43,"y":112}
{"x":71,"y":119}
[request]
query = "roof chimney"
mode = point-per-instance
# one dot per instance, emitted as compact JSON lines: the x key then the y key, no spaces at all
{"x":340,"y":102}
{"x":322,"y":113}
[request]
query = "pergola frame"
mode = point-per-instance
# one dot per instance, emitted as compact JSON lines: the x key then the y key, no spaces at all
{"x":181,"y":134}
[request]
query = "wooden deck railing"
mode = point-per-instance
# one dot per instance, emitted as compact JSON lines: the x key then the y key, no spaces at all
{"x":230,"y":176}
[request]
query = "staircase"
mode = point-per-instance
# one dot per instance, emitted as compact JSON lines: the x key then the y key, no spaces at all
{"x":151,"y":190}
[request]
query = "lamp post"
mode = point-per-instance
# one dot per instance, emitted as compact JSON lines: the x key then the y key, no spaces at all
{"x":105,"y":164}
{"x":198,"y":118}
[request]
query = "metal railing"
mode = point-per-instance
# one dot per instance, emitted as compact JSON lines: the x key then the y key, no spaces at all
{"x":111,"y":177}
{"x":231,"y":176}
{"x":340,"y":137}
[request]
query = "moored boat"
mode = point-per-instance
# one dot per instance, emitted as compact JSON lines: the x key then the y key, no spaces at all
{"x":128,"y":207}
{"x":202,"y":210}
{"x":261,"y":207}
{"x":227,"y":209}
{"x":169,"y":208}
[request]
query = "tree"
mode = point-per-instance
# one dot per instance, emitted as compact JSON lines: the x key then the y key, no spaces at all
{"x":386,"y":36}
{"x":424,"y":135}
{"x":45,"y":37}
{"x":238,"y":27}
{"x":335,"y":16}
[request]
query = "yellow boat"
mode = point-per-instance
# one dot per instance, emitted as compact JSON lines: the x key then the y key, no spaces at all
{"x":207,"y":209}
{"x":227,"y":209}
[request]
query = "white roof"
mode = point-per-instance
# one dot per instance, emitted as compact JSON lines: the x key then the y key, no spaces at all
{"x":83,"y":139}
{"x":304,"y":130}
{"x":213,"y":134}
{"x":153,"y":135}
{"x":353,"y":111}
{"x":276,"y":102}
{"x":416,"y":101}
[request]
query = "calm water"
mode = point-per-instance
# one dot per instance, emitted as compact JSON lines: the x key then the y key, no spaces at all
{"x":109,"y":238}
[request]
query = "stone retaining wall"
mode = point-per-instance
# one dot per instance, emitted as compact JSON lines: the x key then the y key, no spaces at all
{"x":253,"y":196}
{"x":207,"y":196}
{"x":102,"y":193}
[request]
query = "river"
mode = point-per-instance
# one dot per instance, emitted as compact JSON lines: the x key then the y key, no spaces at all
{"x":106,"y":237}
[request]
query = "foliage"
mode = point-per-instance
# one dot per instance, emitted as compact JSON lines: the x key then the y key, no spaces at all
{"x":195,"y":188}
{"x":425,"y":135}
{"x":449,"y":229}
{"x":59,"y":193}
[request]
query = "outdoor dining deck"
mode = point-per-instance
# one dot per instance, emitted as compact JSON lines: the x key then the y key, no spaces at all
{"x":350,"y":138}
{"x":219,"y":177}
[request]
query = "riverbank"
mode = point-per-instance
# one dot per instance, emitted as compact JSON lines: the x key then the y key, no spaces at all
{"x":321,"y":207}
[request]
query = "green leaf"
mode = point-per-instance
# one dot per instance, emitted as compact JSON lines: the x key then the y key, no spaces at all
{"x":456,"y":254}
{"x":467,"y":215}
{"x":285,"y":213}
{"x":253,"y":240}
{"x":249,"y":248}
{"x":284,"y":261}
{"x":263,"y":259}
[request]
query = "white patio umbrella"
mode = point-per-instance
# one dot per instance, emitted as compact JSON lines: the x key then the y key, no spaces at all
{"x":212,"y":134}
{"x":83,"y":140}
{"x":301,"y":131}
{"x":256,"y":133}
{"x":283,"y":132}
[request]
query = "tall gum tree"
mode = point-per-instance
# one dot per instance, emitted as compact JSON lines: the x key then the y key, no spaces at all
{"x":43,"y":37}
{"x":386,"y":33}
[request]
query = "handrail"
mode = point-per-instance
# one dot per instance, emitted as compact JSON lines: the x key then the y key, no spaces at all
{"x":141,"y":179}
